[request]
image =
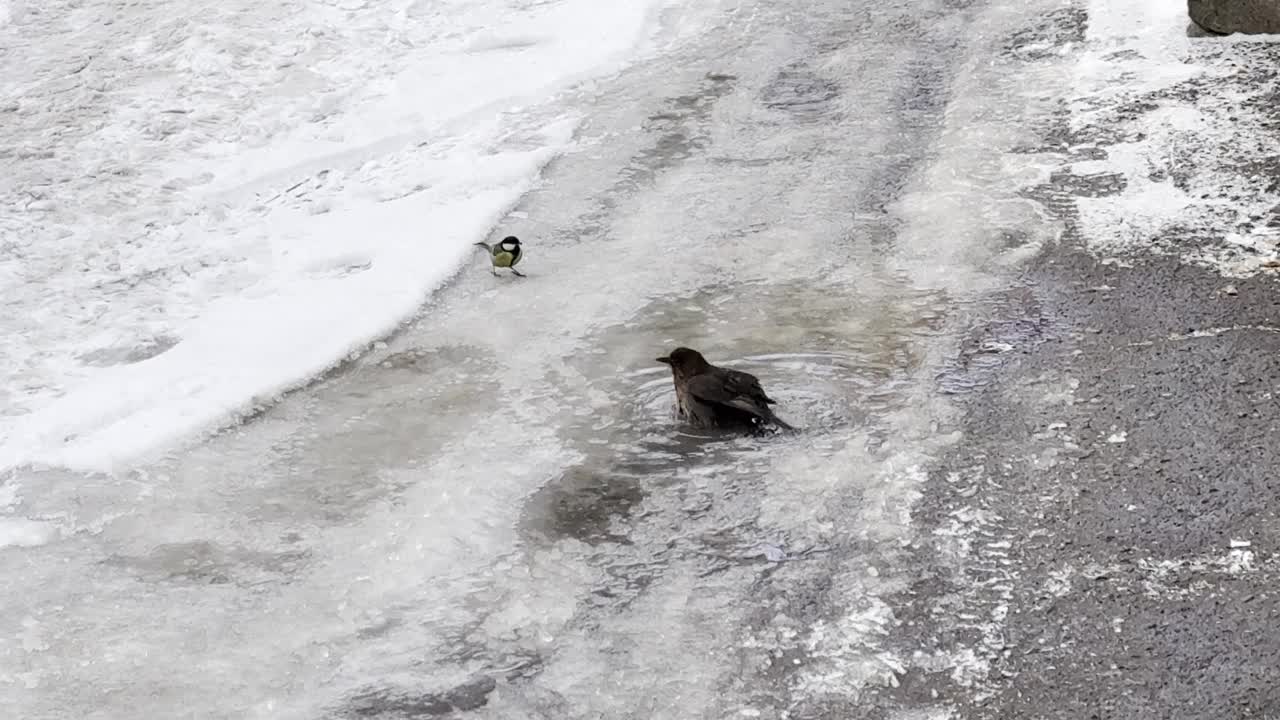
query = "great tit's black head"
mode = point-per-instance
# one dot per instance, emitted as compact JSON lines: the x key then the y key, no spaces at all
{"x":510,"y":242}
{"x":685,"y":361}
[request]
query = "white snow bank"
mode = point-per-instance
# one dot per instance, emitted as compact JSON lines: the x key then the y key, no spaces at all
{"x":335,"y":282}
{"x":222,"y":204}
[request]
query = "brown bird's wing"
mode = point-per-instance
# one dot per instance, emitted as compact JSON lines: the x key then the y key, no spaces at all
{"x":747,"y":384}
{"x":728,"y":391}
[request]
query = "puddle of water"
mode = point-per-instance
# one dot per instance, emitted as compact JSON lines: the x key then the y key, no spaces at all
{"x":652,"y":500}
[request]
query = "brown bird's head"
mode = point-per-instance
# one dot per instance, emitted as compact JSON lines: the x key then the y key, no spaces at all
{"x":685,"y":362}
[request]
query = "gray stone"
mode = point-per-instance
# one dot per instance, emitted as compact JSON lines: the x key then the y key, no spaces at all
{"x":1236,"y":16}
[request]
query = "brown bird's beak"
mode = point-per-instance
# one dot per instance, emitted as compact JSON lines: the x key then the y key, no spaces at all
{"x":664,"y":360}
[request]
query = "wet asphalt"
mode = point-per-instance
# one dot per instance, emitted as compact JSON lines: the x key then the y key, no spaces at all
{"x":1115,"y":493}
{"x":1119,"y":475}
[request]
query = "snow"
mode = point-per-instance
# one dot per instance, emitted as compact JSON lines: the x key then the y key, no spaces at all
{"x":218,"y":203}
{"x":23,"y":532}
{"x":18,"y":531}
{"x":1183,"y":123}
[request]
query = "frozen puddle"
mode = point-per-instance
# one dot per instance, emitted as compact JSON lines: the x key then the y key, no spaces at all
{"x":239,"y":196}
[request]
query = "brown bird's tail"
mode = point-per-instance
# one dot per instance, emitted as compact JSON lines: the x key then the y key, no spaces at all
{"x":782,"y":424}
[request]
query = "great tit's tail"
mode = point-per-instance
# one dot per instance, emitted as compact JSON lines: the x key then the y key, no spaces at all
{"x":485,"y":245}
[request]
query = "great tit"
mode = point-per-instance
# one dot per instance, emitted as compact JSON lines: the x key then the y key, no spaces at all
{"x":505,"y":254}
{"x":713,"y":397}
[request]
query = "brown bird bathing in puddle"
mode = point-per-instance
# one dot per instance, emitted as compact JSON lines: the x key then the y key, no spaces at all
{"x":716,"y":397}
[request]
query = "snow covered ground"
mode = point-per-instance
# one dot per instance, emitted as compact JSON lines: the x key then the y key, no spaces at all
{"x":1189,"y":129}
{"x":209,"y":204}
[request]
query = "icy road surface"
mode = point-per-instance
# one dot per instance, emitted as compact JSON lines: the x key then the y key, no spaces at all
{"x":494,"y":513}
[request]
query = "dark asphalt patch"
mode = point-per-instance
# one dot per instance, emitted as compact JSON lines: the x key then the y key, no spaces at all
{"x":1110,"y":479}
